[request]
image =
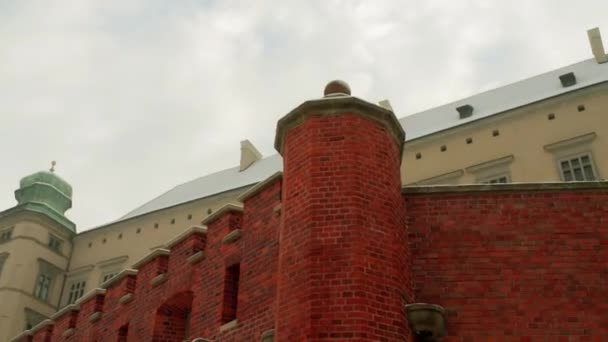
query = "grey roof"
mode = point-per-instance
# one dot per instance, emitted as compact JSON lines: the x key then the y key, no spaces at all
{"x":211,"y":184}
{"x":498,"y":100}
{"x":418,"y":125}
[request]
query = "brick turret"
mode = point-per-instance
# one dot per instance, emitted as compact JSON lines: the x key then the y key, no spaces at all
{"x":343,"y":259}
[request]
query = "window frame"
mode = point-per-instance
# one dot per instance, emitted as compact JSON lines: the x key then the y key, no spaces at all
{"x":492,"y":169}
{"x":570,"y":148}
{"x":40,"y":287}
{"x":3,"y":257}
{"x":579,"y":156}
{"x":55,"y":243}
{"x":73,"y":294}
{"x":51,"y":272}
{"x":488,"y":179}
{"x":6,"y":234}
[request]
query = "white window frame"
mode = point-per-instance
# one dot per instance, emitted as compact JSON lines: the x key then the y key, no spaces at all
{"x":449,"y":178}
{"x":55,"y":243}
{"x":578,"y":156}
{"x":111,"y":266}
{"x":489,"y":179}
{"x":107,"y":275}
{"x":573,"y":148}
{"x":6,"y":234}
{"x":44,"y":286}
{"x":492,"y":169}
{"x":74,"y":293}
{"x":3,"y":257}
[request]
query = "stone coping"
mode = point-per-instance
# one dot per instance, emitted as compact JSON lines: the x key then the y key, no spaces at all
{"x":41,"y":325}
{"x":150,"y":256}
{"x":515,"y":187}
{"x":94,"y":292}
{"x":196,"y":257}
{"x":21,"y":335}
{"x":221,"y":211}
{"x":65,"y":309}
{"x":181,"y":237}
{"x":232,"y":236}
{"x":118,"y":277}
{"x":337,"y":106}
{"x":260,"y":186}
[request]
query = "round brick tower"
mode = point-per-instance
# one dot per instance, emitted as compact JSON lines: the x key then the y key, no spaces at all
{"x":343,"y":260}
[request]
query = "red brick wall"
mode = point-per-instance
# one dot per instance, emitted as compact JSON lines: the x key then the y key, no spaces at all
{"x":343,"y":271}
{"x":513,"y":266}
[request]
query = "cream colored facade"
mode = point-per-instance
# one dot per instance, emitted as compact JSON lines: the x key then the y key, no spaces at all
{"x":525,"y":144}
{"x":528,"y":147}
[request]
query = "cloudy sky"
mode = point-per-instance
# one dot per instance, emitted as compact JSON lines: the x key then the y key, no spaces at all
{"x":134,"y":97}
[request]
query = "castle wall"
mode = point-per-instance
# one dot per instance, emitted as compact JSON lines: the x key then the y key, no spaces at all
{"x":513,"y":265}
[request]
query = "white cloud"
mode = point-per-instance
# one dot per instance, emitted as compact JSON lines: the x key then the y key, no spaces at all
{"x":134,"y":97}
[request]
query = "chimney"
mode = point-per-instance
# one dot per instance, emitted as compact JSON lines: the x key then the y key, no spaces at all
{"x":595,"y":39}
{"x":249,"y":155}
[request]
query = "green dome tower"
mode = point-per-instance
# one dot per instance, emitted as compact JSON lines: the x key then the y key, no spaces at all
{"x":47,"y":193}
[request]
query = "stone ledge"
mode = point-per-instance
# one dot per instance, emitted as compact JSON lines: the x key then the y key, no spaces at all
{"x":91,"y":294}
{"x":553,"y":186}
{"x":181,"y":237}
{"x":95,"y":316}
{"x":22,"y":335}
{"x":277,"y":208}
{"x":260,"y":186}
{"x":267,"y":335}
{"x":122,"y":274}
{"x":232,"y":236}
{"x":41,"y":325}
{"x":159,"y":279}
{"x":338,"y":106}
{"x":126,"y":298}
{"x":68,"y":332}
{"x":64,"y":310}
{"x":221,"y":211}
{"x":230,"y":325}
{"x":196,"y":257}
{"x":151,"y":256}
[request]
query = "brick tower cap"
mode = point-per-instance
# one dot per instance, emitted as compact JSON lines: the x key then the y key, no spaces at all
{"x":337,"y":101}
{"x":336,"y":87}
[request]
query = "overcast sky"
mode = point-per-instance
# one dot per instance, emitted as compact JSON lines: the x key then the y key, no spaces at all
{"x":134,"y":97}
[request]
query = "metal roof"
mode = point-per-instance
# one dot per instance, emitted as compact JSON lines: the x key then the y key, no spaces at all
{"x":418,"y":125}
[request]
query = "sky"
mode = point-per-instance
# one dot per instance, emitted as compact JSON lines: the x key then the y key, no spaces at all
{"x":132,"y":98}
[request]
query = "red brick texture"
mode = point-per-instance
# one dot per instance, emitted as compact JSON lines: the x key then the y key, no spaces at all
{"x":343,"y":265}
{"x":334,"y":250}
{"x":513,"y":266}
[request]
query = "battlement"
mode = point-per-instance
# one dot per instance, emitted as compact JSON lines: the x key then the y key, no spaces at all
{"x":179,"y":290}
{"x":334,"y":249}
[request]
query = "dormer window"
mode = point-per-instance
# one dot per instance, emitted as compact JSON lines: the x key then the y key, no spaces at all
{"x":568,"y":79}
{"x":465,"y":111}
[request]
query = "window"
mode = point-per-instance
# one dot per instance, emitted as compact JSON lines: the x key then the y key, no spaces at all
{"x":44,"y":281}
{"x":496,"y":180}
{"x":43,"y":285}
{"x":231,"y":291}
{"x":495,"y":171}
{"x":33,"y":318}
{"x":574,"y":158}
{"x":76,"y":291}
{"x":3,"y":257}
{"x":55,"y":243}
{"x":578,"y":168}
{"x":6,"y":234}
{"x":108,"y":276}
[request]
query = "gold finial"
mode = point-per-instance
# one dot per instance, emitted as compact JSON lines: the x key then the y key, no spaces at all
{"x":53,"y":163}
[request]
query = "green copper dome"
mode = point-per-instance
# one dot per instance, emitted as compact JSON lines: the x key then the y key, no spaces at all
{"x":46,"y":193}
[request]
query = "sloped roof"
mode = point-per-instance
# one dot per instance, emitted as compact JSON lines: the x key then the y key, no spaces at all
{"x":498,"y":100}
{"x":418,"y":125}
